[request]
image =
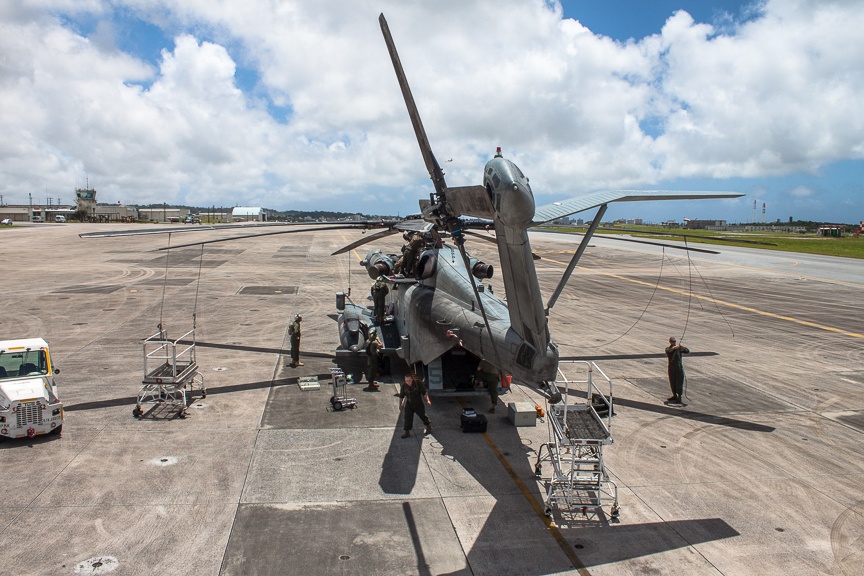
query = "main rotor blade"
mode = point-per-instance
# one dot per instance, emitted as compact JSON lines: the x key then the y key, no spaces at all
{"x":425,"y":148}
{"x":674,"y":247}
{"x":245,"y":236}
{"x":693,"y":236}
{"x":361,"y":241}
{"x":485,"y":237}
{"x":365,"y":224}
{"x":175,"y":230}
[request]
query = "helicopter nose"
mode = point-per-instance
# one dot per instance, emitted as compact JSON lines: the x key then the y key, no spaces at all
{"x":517,"y":205}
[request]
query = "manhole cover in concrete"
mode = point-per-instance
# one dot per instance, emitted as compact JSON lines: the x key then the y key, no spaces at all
{"x":164,"y":461}
{"x":97,"y":565}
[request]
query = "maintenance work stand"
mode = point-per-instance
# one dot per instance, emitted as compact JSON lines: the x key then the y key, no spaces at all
{"x":578,"y":431}
{"x":169,"y":368}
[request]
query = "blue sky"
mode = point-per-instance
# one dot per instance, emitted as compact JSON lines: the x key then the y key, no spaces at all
{"x":294,"y":105}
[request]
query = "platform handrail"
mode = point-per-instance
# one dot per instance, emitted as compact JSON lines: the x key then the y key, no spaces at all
{"x":164,"y":350}
{"x":591,"y":388}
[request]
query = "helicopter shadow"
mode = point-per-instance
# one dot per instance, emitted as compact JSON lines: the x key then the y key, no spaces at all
{"x":488,"y":480}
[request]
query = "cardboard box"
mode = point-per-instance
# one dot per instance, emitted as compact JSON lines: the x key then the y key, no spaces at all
{"x":522,"y":414}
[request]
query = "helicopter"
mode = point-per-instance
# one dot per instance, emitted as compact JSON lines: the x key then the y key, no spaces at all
{"x":440,"y":318}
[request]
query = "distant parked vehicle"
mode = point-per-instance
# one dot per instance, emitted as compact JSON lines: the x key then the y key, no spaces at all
{"x":60,"y":219}
{"x":6,"y":222}
{"x":192,"y":220}
{"x":38,"y":219}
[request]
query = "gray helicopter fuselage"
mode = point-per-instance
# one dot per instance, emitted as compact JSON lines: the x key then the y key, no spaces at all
{"x":438,"y":311}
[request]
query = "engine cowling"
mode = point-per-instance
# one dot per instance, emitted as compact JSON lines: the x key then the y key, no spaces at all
{"x":378,"y":264}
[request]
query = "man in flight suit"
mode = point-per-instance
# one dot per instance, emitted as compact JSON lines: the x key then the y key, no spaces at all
{"x":411,"y":398}
{"x":379,"y":293}
{"x":676,"y":370}
{"x":294,"y":334}
{"x":488,"y":374}
{"x":373,"y":348}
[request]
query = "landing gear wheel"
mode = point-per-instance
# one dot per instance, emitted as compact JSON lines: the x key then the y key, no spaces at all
{"x":57,"y":431}
{"x":337,"y":405}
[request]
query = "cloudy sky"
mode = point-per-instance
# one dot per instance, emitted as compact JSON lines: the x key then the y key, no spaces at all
{"x":294,"y":104}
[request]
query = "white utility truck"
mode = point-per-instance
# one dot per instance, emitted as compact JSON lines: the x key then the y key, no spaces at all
{"x":28,"y":395}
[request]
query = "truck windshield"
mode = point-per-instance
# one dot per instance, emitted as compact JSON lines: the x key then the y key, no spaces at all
{"x":29,"y":363}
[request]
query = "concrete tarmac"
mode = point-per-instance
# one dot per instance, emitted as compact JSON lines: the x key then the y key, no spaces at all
{"x":760,"y":472}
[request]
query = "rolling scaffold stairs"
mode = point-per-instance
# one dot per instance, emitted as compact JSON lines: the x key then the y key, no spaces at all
{"x":578,"y":431}
{"x":169,"y":368}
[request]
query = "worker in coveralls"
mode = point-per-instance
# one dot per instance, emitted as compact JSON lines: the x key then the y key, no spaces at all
{"x":379,"y":293}
{"x":411,"y":398}
{"x":373,"y":349}
{"x":489,"y":375}
{"x":415,"y":246}
{"x":676,"y":370}
{"x":294,"y":334}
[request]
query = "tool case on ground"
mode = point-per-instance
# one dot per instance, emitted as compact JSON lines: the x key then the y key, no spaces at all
{"x":471,"y":421}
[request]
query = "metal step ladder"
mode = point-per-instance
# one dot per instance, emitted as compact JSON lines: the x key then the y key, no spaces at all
{"x":577,"y":435}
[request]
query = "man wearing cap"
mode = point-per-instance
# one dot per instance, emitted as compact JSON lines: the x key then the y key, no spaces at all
{"x":676,"y":370}
{"x":294,"y":334}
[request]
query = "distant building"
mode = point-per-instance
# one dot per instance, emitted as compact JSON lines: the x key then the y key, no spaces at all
{"x":832,"y":231}
{"x":27,"y":212}
{"x":716,"y":225}
{"x":114,"y":213}
{"x":214,"y":216}
{"x":248,"y":214}
{"x":164,"y":214}
{"x":85,"y":202}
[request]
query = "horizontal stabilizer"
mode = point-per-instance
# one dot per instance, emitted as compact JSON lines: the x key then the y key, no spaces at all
{"x":564,"y":208}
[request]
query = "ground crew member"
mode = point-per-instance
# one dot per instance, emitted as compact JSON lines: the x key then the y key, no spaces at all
{"x":294,"y":334}
{"x":373,"y":348}
{"x":411,"y":398}
{"x":489,"y":375}
{"x":379,"y":293}
{"x":676,"y":370}
{"x":410,"y":252}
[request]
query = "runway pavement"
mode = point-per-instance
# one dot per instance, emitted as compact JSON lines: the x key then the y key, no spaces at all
{"x":760,"y":473}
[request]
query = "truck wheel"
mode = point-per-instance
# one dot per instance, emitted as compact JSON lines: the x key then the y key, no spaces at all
{"x":57,"y":431}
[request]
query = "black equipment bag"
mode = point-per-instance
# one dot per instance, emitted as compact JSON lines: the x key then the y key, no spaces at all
{"x":472,"y":422}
